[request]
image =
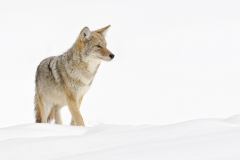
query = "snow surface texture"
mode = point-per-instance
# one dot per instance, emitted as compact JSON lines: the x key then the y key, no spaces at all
{"x":204,"y":139}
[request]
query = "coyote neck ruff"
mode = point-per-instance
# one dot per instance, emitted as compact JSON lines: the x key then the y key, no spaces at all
{"x":64,"y":80}
{"x":79,"y":68}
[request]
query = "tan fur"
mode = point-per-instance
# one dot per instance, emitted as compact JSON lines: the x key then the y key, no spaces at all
{"x":64,"y":80}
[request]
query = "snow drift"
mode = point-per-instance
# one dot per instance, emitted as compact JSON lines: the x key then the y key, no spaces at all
{"x":204,"y":139}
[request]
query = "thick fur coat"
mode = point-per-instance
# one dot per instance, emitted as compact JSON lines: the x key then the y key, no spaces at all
{"x":63,"y":80}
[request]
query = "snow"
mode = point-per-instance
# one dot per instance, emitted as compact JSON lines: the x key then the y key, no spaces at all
{"x":207,"y":139}
{"x":176,"y":61}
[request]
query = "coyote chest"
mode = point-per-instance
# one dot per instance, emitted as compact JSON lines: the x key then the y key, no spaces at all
{"x":80,"y":79}
{"x":88,"y":72}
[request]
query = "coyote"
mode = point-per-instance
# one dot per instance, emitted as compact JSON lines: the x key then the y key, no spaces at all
{"x":64,"y":80}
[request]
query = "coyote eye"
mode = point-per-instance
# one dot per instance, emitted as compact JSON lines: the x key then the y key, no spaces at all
{"x":99,"y":46}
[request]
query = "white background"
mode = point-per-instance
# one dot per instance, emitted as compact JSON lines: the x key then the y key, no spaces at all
{"x":175,"y":60}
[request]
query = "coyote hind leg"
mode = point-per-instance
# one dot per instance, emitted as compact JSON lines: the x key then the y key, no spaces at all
{"x":45,"y":109}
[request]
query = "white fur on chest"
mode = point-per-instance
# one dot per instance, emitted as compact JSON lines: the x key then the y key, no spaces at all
{"x":92,"y":69}
{"x":93,"y":64}
{"x":86,"y":80}
{"x":82,"y":90}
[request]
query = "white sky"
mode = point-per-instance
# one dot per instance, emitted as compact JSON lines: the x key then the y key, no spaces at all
{"x":175,"y":60}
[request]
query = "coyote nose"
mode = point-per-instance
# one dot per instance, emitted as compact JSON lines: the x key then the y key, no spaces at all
{"x":111,"y":56}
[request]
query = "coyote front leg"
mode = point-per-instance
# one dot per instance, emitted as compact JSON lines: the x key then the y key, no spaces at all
{"x":73,"y":108}
{"x":79,"y":104}
{"x":57,"y":112}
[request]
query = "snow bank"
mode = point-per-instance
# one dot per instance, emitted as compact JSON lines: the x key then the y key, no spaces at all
{"x":206,"y":139}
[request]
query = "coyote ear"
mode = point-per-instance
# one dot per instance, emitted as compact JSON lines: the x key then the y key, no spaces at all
{"x":103,"y":31}
{"x":85,"y":34}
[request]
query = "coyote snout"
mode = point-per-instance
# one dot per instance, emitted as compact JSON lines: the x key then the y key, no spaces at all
{"x":105,"y":54}
{"x":64,"y":80}
{"x":111,"y":56}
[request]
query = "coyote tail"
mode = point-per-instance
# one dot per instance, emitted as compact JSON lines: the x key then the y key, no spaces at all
{"x":38,"y":118}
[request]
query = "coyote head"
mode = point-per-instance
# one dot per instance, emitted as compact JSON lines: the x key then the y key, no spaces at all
{"x":93,"y":44}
